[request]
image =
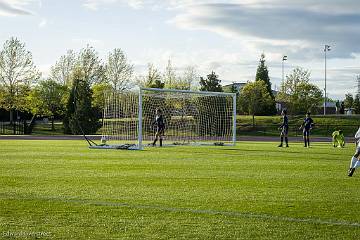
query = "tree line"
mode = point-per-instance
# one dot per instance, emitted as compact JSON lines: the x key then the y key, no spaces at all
{"x":74,"y":90}
{"x":297,"y":94}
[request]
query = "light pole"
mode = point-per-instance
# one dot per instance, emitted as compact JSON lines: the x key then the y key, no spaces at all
{"x":283,"y":60}
{"x":326,"y":49}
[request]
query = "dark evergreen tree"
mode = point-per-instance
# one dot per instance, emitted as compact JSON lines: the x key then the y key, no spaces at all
{"x":233,"y":89}
{"x":337,"y":104}
{"x":349,"y":100}
{"x":211,"y":83}
{"x":214,"y":124}
{"x":356,"y":104}
{"x":157,"y":84}
{"x":262,"y":74}
{"x":342,"y":108}
{"x":81,"y":116}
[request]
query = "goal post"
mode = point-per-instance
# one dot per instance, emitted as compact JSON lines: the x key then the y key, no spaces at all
{"x":191,"y":117}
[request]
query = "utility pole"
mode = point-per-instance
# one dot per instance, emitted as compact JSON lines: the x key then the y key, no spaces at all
{"x":326,"y":49}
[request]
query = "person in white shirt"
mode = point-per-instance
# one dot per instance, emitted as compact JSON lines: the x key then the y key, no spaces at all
{"x":355,"y":162}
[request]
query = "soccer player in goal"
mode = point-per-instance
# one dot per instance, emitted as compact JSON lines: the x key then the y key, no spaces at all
{"x":284,"y":127}
{"x":355,"y":162}
{"x":338,"y":139}
{"x":160,"y":127}
{"x":306,"y":126}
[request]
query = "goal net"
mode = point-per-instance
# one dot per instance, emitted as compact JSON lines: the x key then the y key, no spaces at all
{"x":190,"y":117}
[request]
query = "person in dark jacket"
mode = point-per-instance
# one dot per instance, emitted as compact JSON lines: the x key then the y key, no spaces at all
{"x":160,"y":127}
{"x":284,"y":127}
{"x":306,"y":126}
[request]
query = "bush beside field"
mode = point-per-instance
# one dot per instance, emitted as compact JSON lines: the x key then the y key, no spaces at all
{"x":324,"y":125}
{"x":264,"y":125}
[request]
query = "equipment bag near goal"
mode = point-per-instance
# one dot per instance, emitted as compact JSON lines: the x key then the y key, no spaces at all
{"x":190,"y":117}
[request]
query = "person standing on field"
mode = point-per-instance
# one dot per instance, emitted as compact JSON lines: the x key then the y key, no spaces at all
{"x":306,"y":126}
{"x":355,"y":162}
{"x":160,"y":127}
{"x":338,"y":139}
{"x":284,"y":127}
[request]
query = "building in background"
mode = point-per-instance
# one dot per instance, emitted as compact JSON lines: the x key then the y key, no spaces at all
{"x":236,"y":85}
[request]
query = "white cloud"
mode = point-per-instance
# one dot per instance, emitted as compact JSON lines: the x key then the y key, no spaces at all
{"x":151,"y":4}
{"x":95,"y":4}
{"x":298,"y":30}
{"x":42,"y":23}
{"x":335,"y":6}
{"x":15,"y":7}
{"x":297,"y":26}
{"x":136,"y":4}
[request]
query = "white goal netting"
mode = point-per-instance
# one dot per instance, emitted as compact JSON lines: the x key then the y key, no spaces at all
{"x":190,"y":117}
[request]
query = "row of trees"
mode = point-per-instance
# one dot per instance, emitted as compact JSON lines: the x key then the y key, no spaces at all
{"x":351,"y":102}
{"x":82,"y":78}
{"x":297,"y":93}
{"x":74,"y":90}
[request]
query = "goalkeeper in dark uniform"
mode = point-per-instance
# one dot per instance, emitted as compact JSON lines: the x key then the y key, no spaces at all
{"x":160,"y":127}
{"x":284,"y":127}
{"x":306,"y":126}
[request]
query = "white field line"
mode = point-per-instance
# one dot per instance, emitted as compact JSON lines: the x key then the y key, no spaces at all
{"x":332,"y":222}
{"x":232,"y":214}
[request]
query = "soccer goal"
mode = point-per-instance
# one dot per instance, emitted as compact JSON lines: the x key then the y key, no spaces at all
{"x":190,"y":117}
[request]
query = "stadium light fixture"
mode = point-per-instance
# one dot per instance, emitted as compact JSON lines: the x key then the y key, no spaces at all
{"x":327,"y":48}
{"x":283,"y":60}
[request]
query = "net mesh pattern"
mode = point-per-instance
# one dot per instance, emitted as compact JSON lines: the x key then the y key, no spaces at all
{"x":189,"y":117}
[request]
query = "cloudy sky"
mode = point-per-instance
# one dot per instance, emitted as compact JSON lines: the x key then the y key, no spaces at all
{"x":225,"y":36}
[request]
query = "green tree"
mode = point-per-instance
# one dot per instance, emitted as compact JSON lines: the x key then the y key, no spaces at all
{"x":180,"y":82}
{"x":17,"y":73}
{"x":262,"y":74}
{"x":169,"y":76}
{"x":89,"y":63}
{"x":298,"y":93}
{"x":190,"y":78}
{"x":87,"y":60}
{"x":337,"y":104}
{"x":100,"y":91}
{"x":211,"y":83}
{"x":49,"y":99}
{"x":118,"y":71}
{"x":63,"y":69}
{"x":356,"y":104}
{"x":81,"y":116}
{"x":152,"y":79}
{"x":254,"y":98}
{"x":342,"y":108}
{"x":349,"y":100}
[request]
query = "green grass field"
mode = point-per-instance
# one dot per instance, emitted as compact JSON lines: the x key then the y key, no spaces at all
{"x":63,"y":190}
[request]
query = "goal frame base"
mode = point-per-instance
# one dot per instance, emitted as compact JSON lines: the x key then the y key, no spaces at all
{"x":118,"y":147}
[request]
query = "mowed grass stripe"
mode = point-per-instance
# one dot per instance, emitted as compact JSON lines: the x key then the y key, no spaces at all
{"x":195,"y":211}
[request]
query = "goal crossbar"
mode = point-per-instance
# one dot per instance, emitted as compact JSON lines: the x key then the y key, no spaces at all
{"x":188,"y":91}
